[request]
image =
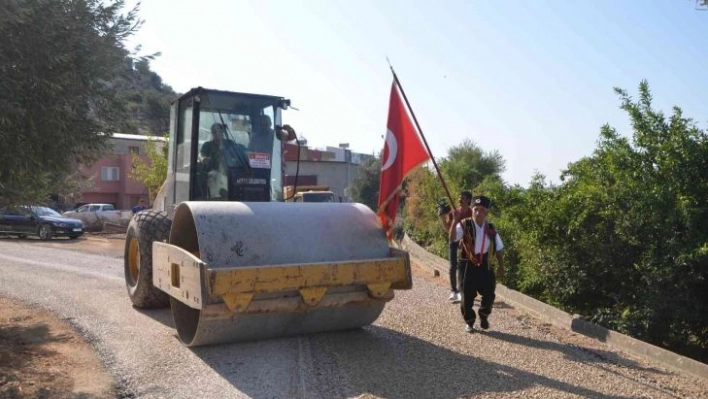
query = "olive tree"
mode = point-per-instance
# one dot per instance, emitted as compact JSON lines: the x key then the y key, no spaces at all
{"x":60,"y":61}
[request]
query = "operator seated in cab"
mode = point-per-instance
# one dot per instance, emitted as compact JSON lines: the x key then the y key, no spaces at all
{"x":261,"y":138}
{"x":217,"y":156}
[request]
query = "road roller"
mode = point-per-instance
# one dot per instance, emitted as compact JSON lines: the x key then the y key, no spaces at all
{"x":232,"y":258}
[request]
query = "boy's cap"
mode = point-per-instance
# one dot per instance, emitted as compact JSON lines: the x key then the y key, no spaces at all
{"x":481,"y":200}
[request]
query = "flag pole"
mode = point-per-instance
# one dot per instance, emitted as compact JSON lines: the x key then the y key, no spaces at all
{"x":422,"y":136}
{"x":425,"y":142}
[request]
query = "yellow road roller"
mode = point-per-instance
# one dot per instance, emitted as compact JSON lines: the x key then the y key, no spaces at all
{"x":232,"y":258}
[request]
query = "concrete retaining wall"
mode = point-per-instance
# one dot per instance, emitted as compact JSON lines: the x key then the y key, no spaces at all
{"x":439,"y":267}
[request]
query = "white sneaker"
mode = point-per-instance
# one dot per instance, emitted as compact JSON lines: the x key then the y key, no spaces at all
{"x":458,"y":297}
{"x":453,"y":296}
{"x":469,"y":328}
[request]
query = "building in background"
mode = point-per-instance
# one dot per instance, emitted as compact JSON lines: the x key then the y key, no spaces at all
{"x":109,"y":180}
{"x":335,"y":167}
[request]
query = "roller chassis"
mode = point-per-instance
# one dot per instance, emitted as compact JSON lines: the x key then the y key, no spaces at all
{"x":230,"y":267}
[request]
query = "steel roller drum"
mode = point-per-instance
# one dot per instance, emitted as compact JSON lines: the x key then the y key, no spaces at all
{"x":269,"y":235}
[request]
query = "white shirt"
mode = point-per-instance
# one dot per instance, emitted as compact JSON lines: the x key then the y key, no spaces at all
{"x":479,"y":236}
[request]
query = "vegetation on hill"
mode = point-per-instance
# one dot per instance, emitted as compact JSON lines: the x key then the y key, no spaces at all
{"x":147,"y":99}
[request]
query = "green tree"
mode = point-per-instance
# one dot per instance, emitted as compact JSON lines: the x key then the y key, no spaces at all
{"x":623,"y":239}
{"x":153,"y":171}
{"x":59,"y":61}
{"x":465,"y":167}
{"x":365,"y":187}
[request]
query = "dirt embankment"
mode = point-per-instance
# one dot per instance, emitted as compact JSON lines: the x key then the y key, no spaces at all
{"x":42,"y":356}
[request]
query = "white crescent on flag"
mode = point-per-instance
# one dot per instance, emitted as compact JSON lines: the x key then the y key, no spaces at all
{"x":392,"y":150}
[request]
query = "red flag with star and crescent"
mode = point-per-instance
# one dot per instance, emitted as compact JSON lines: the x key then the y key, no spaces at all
{"x":403,"y":152}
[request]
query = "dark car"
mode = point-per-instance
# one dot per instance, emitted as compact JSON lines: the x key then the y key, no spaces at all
{"x":38,"y":220}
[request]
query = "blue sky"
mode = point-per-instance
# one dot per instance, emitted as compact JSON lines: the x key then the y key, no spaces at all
{"x":531,"y":79}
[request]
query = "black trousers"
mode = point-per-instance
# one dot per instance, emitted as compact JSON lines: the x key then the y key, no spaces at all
{"x":452,"y":255}
{"x":476,"y":280}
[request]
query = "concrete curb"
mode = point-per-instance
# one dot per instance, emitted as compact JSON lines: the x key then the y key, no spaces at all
{"x":439,"y":268}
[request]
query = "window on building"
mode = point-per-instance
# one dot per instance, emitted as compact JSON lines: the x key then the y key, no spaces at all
{"x":134,"y":150}
{"x":110,"y":173}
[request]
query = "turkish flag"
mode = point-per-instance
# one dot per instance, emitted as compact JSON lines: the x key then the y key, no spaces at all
{"x":403,"y":152}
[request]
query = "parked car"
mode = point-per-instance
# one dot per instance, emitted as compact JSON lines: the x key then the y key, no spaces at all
{"x":38,"y":220}
{"x":107,"y":209}
{"x":94,"y":215}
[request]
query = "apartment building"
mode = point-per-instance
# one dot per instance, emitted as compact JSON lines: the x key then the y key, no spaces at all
{"x":109,"y":177}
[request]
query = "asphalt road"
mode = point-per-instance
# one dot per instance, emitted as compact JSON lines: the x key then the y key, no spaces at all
{"x":417,"y":349}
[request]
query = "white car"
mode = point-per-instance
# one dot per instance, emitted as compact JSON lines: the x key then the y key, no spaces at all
{"x":92,"y":214}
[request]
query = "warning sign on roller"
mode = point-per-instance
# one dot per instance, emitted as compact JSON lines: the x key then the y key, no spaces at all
{"x":259,"y":160}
